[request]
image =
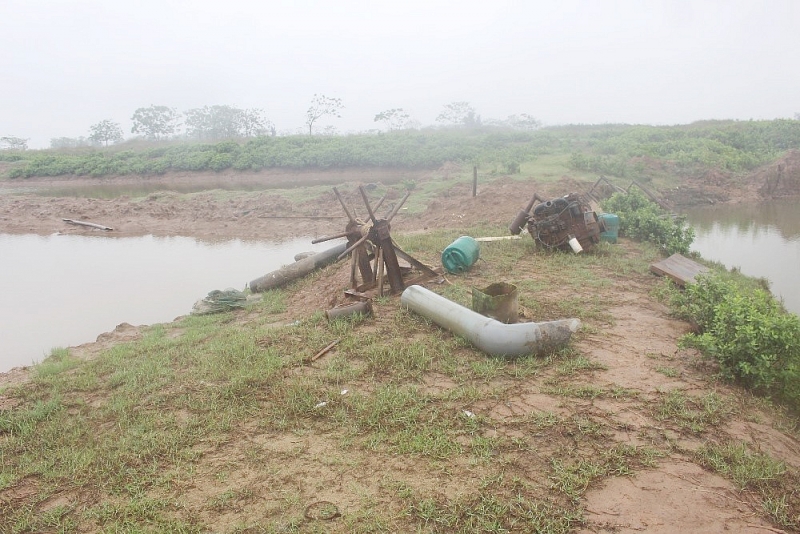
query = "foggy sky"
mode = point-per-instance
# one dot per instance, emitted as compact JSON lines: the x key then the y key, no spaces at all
{"x":66,"y":65}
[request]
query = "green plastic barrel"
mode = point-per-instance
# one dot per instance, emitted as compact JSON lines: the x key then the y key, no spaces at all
{"x":611,"y":224}
{"x":461,"y":254}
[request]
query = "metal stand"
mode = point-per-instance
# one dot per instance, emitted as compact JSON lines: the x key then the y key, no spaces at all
{"x":372,"y":240}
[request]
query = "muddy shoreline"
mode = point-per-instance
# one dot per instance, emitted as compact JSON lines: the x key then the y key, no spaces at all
{"x":257,"y":206}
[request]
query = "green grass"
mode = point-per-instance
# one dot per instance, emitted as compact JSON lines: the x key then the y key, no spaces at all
{"x":224,"y":416}
{"x":693,"y":413}
{"x":747,"y":469}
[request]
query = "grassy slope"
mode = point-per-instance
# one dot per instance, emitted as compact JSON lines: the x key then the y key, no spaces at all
{"x":217,"y":422}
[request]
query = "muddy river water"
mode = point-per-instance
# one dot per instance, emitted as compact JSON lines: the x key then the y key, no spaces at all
{"x":64,"y":290}
{"x":761,"y":239}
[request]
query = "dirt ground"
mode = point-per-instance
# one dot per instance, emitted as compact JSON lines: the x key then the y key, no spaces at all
{"x":676,"y":495}
{"x":218,"y":214}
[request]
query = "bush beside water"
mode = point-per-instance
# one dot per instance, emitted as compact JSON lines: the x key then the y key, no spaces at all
{"x":743,"y":327}
{"x":644,"y":220}
{"x":739,"y":323}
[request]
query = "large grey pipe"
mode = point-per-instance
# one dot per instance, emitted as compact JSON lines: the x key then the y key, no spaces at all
{"x":489,"y":335}
{"x":295,"y":270}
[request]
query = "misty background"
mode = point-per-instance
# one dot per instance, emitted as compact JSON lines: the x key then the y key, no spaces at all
{"x":67,"y":65}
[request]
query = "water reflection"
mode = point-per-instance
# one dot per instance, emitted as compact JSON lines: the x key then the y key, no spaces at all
{"x":762,"y":240}
{"x":778,"y":215}
{"x":65,"y":290}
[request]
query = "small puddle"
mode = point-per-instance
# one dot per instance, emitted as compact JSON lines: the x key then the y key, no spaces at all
{"x":64,"y":290}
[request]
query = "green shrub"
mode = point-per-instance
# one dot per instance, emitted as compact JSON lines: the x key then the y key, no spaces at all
{"x":642,"y":219}
{"x":220,"y":162}
{"x":755,"y":341}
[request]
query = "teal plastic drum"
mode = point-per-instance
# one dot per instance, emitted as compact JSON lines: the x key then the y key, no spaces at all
{"x":611,"y":224}
{"x":461,"y":254}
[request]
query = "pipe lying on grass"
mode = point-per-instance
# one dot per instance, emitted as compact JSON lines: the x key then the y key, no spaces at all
{"x":295,"y":270}
{"x":490,"y":336}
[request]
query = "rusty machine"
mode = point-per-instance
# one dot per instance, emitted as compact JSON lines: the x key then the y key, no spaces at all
{"x":373,"y":254}
{"x":567,"y":223}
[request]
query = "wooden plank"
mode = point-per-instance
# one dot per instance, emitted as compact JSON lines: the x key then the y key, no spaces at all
{"x":679,"y":268}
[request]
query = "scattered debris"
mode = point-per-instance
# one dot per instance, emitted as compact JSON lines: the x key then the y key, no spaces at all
{"x":567,"y":222}
{"x":321,"y":511}
{"x":324,"y":351}
{"x":461,"y":254}
{"x":498,"y":301}
{"x":490,"y":336}
{"x":679,"y":268}
{"x":610,"y":223}
{"x":219,"y":301}
{"x":469,"y":414}
{"x":321,"y":404}
{"x":295,"y":270}
{"x":603,"y":188}
{"x":497,"y":238}
{"x":90,"y":225}
{"x":363,"y":307}
{"x":371,"y":240}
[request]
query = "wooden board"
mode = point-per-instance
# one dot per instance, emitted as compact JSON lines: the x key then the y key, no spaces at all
{"x":679,"y":268}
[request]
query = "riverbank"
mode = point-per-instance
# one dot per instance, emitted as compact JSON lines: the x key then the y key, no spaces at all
{"x":222,"y":424}
{"x":280,"y":204}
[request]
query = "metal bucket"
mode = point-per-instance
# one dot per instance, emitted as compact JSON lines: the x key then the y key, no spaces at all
{"x":498,"y":301}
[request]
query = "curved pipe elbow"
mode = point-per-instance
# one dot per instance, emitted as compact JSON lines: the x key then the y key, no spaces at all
{"x":489,"y":335}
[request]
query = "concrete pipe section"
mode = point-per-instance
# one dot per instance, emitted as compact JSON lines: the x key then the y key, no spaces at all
{"x":490,"y":336}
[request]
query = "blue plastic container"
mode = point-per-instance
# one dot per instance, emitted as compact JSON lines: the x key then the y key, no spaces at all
{"x":461,"y":254}
{"x":611,"y":224}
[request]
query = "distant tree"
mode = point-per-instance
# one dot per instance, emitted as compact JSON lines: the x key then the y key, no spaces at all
{"x":459,"y":114}
{"x":226,"y":122}
{"x":69,"y":142}
{"x":155,"y":122}
{"x":212,"y":122}
{"x":105,"y":131}
{"x":797,"y":116}
{"x":394,"y":119}
{"x":13,"y":143}
{"x":523,"y":121}
{"x":321,"y":106}
{"x":253,"y":122}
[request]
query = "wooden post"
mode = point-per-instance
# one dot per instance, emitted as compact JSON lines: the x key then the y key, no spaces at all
{"x":474,"y":180}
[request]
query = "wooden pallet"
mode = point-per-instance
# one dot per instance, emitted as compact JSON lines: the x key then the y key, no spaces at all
{"x":679,"y":268}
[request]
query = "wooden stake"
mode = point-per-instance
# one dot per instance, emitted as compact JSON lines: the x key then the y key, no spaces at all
{"x":323,"y":351}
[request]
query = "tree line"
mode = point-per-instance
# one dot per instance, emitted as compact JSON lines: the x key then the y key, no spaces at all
{"x":220,"y":122}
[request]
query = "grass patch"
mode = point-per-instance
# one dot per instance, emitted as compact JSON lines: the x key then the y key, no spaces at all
{"x":695,"y":414}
